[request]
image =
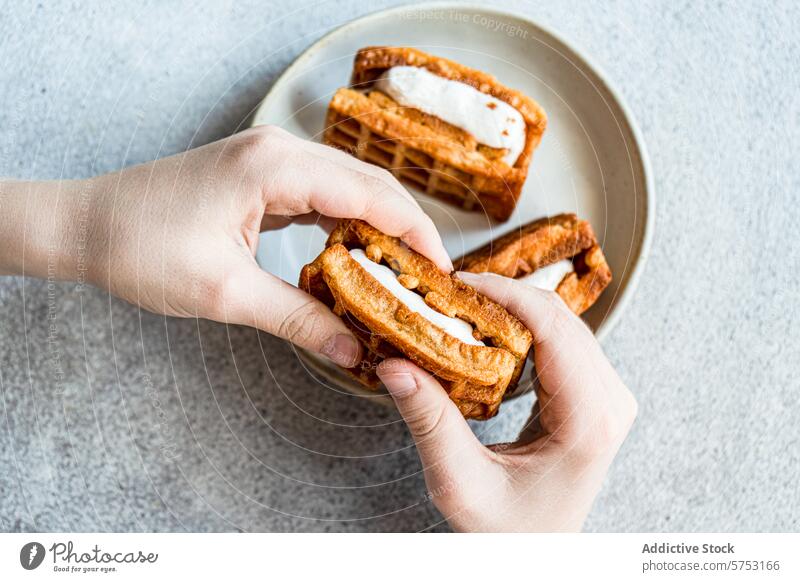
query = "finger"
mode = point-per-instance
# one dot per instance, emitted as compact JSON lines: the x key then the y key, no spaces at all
{"x":258,"y":299}
{"x":341,"y":157}
{"x":270,"y":222}
{"x":311,"y":178}
{"x":442,"y":436}
{"x":543,"y":312}
{"x":572,"y":370}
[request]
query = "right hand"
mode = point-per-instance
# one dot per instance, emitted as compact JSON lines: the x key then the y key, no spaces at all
{"x":547,"y":480}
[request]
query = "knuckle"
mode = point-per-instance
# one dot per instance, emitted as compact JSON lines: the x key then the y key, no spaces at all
{"x":603,"y":438}
{"x":223,"y":293}
{"x":385,"y":176}
{"x":274,"y":132}
{"x":264,"y":135}
{"x":380,"y":191}
{"x":370,"y":183}
{"x":374,"y":172}
{"x":303,"y":325}
{"x":426,"y":424}
{"x":255,"y":143}
{"x":631,"y":408}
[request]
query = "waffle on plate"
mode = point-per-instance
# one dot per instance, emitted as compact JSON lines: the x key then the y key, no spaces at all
{"x":442,"y":159}
{"x":475,"y":348}
{"x":561,"y":252}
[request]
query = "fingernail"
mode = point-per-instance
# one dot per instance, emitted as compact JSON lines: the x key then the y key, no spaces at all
{"x":342,"y":349}
{"x":399,"y":384}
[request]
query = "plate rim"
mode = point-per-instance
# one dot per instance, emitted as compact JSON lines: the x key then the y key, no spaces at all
{"x":625,"y":295}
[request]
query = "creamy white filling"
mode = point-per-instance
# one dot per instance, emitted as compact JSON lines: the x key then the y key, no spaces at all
{"x":455,"y":327}
{"x":549,"y":277}
{"x":491,"y":121}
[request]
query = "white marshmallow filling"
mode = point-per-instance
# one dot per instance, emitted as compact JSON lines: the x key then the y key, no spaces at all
{"x":491,"y":121}
{"x":458,"y":328}
{"x":549,"y":277}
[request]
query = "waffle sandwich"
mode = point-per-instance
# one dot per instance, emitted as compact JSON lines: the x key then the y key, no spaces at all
{"x":453,"y":132}
{"x":399,"y":304}
{"x":559,"y":253}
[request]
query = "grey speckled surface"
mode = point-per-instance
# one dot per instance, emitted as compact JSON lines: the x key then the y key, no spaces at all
{"x":709,"y":344}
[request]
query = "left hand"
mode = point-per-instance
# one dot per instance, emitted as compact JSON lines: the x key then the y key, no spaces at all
{"x":178,"y":235}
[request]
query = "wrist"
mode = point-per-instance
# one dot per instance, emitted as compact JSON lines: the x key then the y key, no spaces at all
{"x":40,"y":226}
{"x":76,"y":227}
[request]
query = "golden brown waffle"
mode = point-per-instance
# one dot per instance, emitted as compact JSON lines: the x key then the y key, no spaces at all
{"x":476,"y":377}
{"x":544,"y":242}
{"x":436,"y":157}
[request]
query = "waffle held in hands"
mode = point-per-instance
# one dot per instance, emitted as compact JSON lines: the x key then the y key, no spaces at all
{"x":399,"y":304}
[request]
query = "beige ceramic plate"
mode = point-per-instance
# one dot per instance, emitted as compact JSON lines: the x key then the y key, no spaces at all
{"x":592,"y":160}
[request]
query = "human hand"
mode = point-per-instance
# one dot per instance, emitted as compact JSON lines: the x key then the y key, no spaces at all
{"x":178,"y":236}
{"x":548,"y":479}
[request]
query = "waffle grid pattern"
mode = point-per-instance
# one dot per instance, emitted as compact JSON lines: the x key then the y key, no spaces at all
{"x":432,"y":176}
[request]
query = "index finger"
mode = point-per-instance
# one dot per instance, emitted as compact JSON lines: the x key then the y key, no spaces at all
{"x":312,"y":177}
{"x":572,"y":370}
{"x":543,"y":312}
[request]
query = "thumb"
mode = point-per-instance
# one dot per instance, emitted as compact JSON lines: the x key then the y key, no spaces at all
{"x":258,"y":299}
{"x":443,"y":438}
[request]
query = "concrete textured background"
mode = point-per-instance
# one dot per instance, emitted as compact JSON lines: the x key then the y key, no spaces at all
{"x":709,"y":344}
